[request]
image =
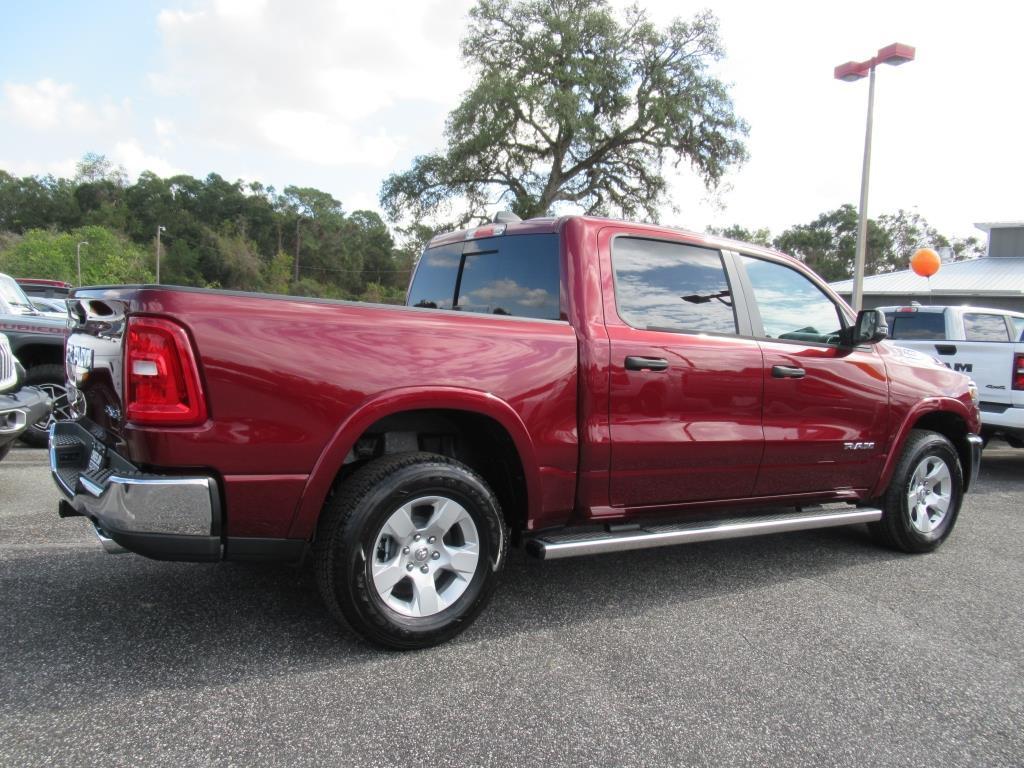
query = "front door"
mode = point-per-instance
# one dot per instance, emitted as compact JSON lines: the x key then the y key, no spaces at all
{"x":825,"y":406}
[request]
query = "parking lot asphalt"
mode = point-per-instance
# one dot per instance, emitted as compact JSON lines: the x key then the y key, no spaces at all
{"x":811,"y":649}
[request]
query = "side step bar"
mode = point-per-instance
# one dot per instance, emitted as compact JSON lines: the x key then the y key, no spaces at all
{"x":558,"y":545}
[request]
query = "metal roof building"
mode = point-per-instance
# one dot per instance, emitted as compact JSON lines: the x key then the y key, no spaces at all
{"x":995,"y":280}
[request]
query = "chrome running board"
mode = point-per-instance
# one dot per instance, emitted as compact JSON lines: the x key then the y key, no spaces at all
{"x":554,"y":546}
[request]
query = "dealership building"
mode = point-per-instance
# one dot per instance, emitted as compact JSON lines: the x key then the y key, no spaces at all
{"x":995,"y":280}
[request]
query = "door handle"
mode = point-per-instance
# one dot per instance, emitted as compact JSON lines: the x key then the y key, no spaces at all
{"x":785,"y":372}
{"x":646,"y":364}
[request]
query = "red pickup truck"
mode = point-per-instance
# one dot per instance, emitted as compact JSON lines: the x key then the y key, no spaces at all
{"x":574,"y":385}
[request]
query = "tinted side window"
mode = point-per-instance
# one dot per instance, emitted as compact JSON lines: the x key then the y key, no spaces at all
{"x":434,"y":285}
{"x":917,"y":325}
{"x":515,"y":275}
{"x":1018,"y":328}
{"x":671,"y":286}
{"x":791,"y":306}
{"x":978,"y":327}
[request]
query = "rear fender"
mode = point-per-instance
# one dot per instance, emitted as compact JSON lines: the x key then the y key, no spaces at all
{"x":410,"y":399}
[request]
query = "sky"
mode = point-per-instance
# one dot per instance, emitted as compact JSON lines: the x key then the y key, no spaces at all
{"x":337,"y":95}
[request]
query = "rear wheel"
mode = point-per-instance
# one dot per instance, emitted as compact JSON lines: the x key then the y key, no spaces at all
{"x":409,"y":548}
{"x":923,"y":500}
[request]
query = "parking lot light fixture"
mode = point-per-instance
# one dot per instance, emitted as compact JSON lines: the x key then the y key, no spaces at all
{"x":851,"y":71}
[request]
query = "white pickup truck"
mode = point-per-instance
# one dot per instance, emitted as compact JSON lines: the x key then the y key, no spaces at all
{"x":985,"y":344}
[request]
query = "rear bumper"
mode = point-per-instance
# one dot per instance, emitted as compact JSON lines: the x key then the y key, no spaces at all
{"x":18,"y":410}
{"x":159,"y":516}
{"x":999,"y":419}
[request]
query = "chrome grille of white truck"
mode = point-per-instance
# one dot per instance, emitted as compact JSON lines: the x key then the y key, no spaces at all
{"x":8,"y":374}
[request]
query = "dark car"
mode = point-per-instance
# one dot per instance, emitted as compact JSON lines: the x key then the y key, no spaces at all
{"x":19,"y":406}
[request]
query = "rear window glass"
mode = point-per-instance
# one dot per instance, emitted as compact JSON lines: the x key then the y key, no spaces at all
{"x":916,"y":325}
{"x":978,"y":327}
{"x":516,"y":275}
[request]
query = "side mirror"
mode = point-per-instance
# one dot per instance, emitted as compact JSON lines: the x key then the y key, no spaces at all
{"x":870,"y":328}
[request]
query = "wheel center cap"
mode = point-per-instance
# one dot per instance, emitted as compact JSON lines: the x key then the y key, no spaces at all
{"x":421,"y":555}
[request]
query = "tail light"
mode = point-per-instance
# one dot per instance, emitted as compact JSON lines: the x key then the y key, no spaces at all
{"x":1018,"y":371}
{"x":161,"y":376}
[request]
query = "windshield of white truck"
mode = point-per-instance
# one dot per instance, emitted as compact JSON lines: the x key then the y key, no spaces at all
{"x":11,"y":293}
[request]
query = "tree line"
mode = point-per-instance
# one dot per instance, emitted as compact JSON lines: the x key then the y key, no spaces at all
{"x":216,"y":233}
{"x":828,"y":244}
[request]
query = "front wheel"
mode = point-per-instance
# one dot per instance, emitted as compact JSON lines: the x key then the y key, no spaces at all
{"x":51,"y":379}
{"x":408,"y":549}
{"x":921,"y":505}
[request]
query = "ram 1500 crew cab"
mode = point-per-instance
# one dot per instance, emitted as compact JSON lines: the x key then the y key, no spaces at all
{"x":577,"y":385}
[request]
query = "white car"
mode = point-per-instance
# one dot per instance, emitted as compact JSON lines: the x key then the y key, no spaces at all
{"x":986,"y":344}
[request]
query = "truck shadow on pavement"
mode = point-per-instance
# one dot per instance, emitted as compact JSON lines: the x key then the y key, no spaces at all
{"x":77,"y":620}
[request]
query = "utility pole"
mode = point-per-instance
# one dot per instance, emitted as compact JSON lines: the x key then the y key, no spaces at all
{"x":78,"y":260}
{"x":298,"y":243}
{"x":159,"y":229}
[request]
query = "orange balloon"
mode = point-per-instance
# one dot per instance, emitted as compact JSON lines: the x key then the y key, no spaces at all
{"x":925,"y":262}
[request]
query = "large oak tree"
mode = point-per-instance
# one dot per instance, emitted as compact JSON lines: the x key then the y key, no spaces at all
{"x":572,"y":103}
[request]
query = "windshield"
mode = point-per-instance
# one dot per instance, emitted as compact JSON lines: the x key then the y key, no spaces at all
{"x":13,"y":295}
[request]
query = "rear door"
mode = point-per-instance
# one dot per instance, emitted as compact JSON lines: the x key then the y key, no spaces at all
{"x":685,"y":376}
{"x":825,"y":406}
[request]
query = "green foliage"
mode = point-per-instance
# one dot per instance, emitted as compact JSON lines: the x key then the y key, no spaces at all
{"x":278,"y":273}
{"x":573,"y":105}
{"x":755,"y":236}
{"x":828,"y":245}
{"x":217,"y":233}
{"x":109,"y":258}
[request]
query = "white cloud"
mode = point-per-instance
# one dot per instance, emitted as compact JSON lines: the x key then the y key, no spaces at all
{"x":135,"y":160}
{"x":330,"y":86}
{"x":321,"y":139}
{"x":38,"y":104}
{"x":48,"y":105}
{"x":507,"y":288}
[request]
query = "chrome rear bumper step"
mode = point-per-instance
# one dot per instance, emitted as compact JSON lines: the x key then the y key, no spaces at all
{"x":558,"y":545}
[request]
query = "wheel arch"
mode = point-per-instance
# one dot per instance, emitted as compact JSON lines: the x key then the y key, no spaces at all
{"x":481,"y":417}
{"x":32,"y":353}
{"x":947,"y":417}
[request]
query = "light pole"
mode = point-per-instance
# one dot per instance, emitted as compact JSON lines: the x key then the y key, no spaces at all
{"x":160,"y":228}
{"x":78,"y":260}
{"x":894,"y":54}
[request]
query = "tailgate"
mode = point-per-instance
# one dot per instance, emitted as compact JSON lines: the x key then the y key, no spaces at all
{"x":94,"y":359}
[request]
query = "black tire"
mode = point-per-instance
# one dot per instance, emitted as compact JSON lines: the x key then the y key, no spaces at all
{"x":50,"y":377}
{"x":353,"y":522}
{"x":899,"y":527}
{"x":4,"y":450}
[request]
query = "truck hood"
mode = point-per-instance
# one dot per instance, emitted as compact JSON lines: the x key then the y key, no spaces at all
{"x":914,"y":376}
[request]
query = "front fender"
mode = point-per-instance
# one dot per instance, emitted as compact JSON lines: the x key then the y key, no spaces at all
{"x":400,"y":400}
{"x":925,"y":408}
